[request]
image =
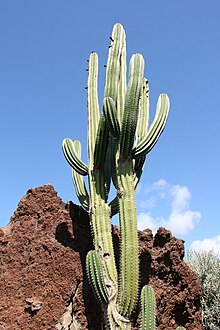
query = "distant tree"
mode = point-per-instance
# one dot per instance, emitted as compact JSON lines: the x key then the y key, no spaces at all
{"x":207,"y":267}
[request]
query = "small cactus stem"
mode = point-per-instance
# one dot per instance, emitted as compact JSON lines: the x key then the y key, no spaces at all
{"x":144,"y":113}
{"x":109,"y":110}
{"x":101,"y":145}
{"x":111,"y":93}
{"x":101,"y":224}
{"x":78,"y":181}
{"x":148,"y":308}
{"x":142,"y":127}
{"x":156,"y":128}
{"x":131,"y":108}
{"x":122,"y":86}
{"x":93,"y":106}
{"x":180,"y":328}
{"x":71,"y":156}
{"x":114,"y":62}
{"x":128,"y":278}
{"x":81,"y":190}
{"x":96,"y":276}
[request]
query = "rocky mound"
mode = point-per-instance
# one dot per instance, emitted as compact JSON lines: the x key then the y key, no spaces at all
{"x":43,"y":284}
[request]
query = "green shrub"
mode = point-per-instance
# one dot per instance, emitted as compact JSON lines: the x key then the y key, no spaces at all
{"x":207,"y":267}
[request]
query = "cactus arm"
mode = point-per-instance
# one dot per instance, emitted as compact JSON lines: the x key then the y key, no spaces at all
{"x":143,"y":117}
{"x":110,"y":114}
{"x":78,"y":181}
{"x":114,"y":62}
{"x":115,"y":86}
{"x":180,"y":328}
{"x":101,"y":144}
{"x":156,"y":128}
{"x":81,"y":191}
{"x":148,"y":308}
{"x":142,"y":127}
{"x":122,"y":86}
{"x":96,"y":277}
{"x":71,"y":156}
{"x":130,"y":116}
{"x":93,"y":106}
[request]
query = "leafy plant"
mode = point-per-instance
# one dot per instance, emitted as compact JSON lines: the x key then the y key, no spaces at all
{"x":207,"y":267}
{"x":119,"y":138}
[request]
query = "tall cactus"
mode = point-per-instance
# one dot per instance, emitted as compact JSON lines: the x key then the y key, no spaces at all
{"x":119,"y":139}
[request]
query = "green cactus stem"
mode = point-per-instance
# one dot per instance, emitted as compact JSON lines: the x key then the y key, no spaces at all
{"x":78,"y":180}
{"x":148,"y":308}
{"x":96,"y":277}
{"x":128,"y":281}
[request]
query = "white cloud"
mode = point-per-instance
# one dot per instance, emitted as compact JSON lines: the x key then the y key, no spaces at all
{"x":180,"y":219}
{"x":181,"y":197}
{"x":145,"y":220}
{"x":207,"y":244}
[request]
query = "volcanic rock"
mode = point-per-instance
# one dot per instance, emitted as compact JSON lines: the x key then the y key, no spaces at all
{"x":43,"y":284}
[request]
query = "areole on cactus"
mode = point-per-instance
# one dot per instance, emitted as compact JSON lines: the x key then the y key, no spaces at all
{"x":119,"y":138}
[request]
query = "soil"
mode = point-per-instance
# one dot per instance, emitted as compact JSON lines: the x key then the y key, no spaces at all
{"x":43,"y":284}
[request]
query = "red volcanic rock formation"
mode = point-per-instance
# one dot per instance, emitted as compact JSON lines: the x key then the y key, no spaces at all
{"x":43,"y":284}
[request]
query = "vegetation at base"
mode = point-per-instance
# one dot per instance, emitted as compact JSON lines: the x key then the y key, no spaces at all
{"x":207,"y":267}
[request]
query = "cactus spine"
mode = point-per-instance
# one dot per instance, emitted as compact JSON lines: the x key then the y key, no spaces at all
{"x":118,"y":141}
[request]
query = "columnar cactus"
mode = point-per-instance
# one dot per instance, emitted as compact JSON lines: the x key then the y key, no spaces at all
{"x":118,"y":141}
{"x":148,"y":308}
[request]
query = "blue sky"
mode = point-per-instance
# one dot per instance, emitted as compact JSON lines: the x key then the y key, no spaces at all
{"x":44,"y":50}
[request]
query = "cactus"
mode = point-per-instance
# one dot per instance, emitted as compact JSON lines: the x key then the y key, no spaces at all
{"x":119,"y":138}
{"x":148,"y":308}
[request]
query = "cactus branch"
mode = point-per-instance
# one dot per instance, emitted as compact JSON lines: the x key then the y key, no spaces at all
{"x":78,"y":181}
{"x":156,"y":128}
{"x":132,"y":98}
{"x":93,"y":106}
{"x":72,"y":158}
{"x":109,"y":111}
{"x":148,"y":308}
{"x":96,"y":276}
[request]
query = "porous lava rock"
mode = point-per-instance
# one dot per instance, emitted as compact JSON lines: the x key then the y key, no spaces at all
{"x":43,"y":284}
